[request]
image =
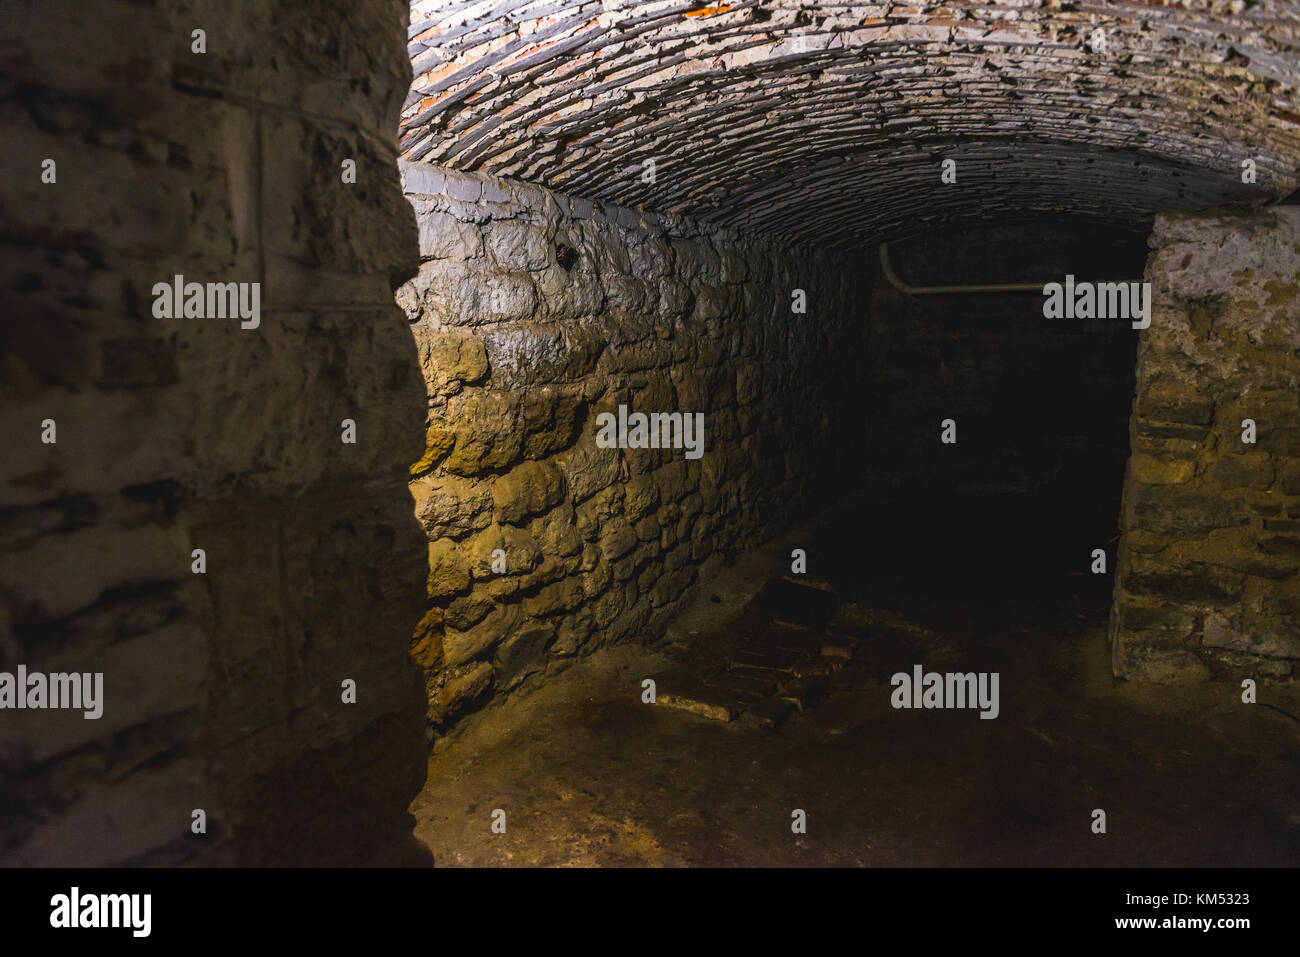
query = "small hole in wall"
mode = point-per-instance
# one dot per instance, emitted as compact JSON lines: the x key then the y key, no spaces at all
{"x":566,"y":256}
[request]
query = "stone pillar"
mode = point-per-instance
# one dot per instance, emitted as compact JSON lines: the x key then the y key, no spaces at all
{"x":1208,"y":575}
{"x":209,"y":140}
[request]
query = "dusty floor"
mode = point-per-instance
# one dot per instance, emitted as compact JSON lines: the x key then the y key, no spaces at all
{"x":587,"y":774}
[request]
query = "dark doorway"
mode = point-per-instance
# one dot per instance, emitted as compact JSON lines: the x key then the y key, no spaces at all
{"x":1038,"y":408}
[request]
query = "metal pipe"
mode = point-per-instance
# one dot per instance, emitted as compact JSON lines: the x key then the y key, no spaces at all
{"x":903,"y":287}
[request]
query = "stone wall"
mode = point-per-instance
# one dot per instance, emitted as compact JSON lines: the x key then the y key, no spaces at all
{"x":536,"y":312}
{"x":223,"y":689}
{"x":1208,"y":578}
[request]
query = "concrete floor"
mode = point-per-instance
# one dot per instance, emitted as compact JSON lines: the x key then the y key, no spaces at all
{"x":589,"y":775}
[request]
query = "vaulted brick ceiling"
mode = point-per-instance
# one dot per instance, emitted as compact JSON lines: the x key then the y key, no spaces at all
{"x":827,"y":122}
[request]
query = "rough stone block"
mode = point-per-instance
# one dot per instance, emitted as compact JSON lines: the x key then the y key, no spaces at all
{"x":522,"y":655}
{"x":448,"y":568}
{"x":460,"y":691}
{"x":527,"y":489}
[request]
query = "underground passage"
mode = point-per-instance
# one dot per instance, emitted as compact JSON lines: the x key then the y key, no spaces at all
{"x":559,"y":433}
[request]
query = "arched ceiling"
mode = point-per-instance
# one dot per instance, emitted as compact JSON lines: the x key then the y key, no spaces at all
{"x":827,"y":121}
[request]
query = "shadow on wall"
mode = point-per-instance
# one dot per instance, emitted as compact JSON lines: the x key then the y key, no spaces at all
{"x":1039,"y":406}
{"x":210,"y":510}
{"x":1025,"y":482}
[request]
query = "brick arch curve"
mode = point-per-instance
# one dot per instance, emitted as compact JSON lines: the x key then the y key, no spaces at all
{"x":827,"y":122}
